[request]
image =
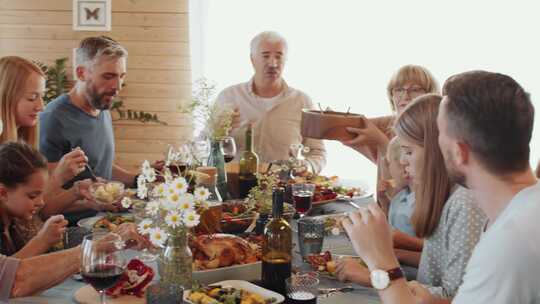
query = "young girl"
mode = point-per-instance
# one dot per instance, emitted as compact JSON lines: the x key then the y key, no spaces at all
{"x":445,"y":214}
{"x":23,"y":176}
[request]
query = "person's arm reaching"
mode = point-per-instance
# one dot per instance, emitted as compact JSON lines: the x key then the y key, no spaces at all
{"x":122,"y":175}
{"x":50,"y":234}
{"x":371,"y":237}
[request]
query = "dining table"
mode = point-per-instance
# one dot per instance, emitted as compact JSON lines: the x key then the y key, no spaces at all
{"x":336,"y":244}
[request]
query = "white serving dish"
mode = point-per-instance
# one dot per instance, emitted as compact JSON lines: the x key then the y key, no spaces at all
{"x":249,"y":272}
{"x":240,"y":284}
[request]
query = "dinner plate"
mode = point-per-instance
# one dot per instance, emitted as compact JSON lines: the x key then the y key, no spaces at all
{"x":245,"y":285}
{"x":89,"y":221}
{"x":88,"y":295}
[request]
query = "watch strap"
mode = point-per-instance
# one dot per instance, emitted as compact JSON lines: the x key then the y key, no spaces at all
{"x":395,"y":273}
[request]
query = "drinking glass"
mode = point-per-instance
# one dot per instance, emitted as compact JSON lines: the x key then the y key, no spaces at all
{"x":302,"y":197}
{"x":102,"y":262}
{"x":302,"y":289}
{"x":310,"y":236}
{"x":228,"y":146}
{"x":139,"y":214}
{"x":201,"y":150}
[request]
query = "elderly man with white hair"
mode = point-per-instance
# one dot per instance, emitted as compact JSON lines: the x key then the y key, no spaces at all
{"x":273,"y":107}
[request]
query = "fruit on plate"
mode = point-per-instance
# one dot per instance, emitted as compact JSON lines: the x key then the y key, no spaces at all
{"x":221,"y":250}
{"x":324,"y":262}
{"x":327,"y":188}
{"x":134,"y":281}
{"x":227,"y":295}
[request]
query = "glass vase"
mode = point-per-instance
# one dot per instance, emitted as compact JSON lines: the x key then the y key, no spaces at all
{"x":175,"y":263}
{"x":217,"y":160}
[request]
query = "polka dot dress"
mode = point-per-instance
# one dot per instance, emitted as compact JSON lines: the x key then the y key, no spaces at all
{"x":447,"y":251}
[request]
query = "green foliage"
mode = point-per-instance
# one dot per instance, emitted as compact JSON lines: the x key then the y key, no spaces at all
{"x":216,"y":120}
{"x":58,"y":84}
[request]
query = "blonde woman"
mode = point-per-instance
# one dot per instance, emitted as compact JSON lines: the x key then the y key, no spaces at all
{"x":409,"y":82}
{"x":445,"y":214}
{"x":22,"y":86}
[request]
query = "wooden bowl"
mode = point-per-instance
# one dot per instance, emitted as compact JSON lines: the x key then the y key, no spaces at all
{"x":329,"y":124}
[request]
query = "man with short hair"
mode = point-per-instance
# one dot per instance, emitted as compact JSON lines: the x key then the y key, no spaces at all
{"x":274,"y":108}
{"x":485,"y":125}
{"x":81,"y":117}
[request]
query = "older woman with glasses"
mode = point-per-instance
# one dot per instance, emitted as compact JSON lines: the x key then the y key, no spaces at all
{"x":409,"y":82}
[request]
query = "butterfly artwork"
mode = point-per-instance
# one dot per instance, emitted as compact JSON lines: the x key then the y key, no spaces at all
{"x":92,"y":13}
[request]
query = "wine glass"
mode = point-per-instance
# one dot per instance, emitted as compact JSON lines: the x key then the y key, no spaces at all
{"x":102,"y":262}
{"x":228,"y":147}
{"x":303,"y":197}
{"x":201,"y":150}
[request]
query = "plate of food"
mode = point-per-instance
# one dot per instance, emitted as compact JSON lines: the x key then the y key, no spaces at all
{"x":108,"y":221}
{"x":232,"y":291}
{"x":330,"y":189}
{"x":326,"y":263}
{"x":221,"y":256}
{"x":107,"y":192}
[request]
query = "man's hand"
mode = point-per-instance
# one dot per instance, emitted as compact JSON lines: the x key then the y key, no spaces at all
{"x":70,"y":165}
{"x":371,"y":236}
{"x":351,"y":270}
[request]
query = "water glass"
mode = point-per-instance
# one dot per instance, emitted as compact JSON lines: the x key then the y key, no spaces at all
{"x":302,"y":288}
{"x":310,"y":236}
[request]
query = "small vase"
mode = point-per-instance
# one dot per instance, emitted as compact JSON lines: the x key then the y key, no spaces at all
{"x":175,"y":263}
{"x":217,"y":160}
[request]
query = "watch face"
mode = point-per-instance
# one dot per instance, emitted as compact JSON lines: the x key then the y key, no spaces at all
{"x":379,"y":279}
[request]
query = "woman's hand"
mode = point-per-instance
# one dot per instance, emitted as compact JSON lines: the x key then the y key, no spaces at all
{"x":53,"y":230}
{"x":351,"y":270}
{"x":369,"y":135}
{"x":371,"y":236}
{"x":70,"y":165}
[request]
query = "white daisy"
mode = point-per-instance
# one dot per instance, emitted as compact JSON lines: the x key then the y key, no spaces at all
{"x":126,"y":202}
{"x":150,"y":175}
{"x":141,"y":181}
{"x":160,"y":190}
{"x":152,"y":208}
{"x":145,"y":226}
{"x":186,"y":202}
{"x":191,"y":219}
{"x":142,"y":191}
{"x":157,"y":237}
{"x":146,"y":166}
{"x":180,"y":185}
{"x":201,"y":194}
{"x":173,"y":219}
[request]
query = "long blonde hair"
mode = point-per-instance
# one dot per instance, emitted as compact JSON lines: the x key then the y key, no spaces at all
{"x":418,"y":124}
{"x":14,"y":74}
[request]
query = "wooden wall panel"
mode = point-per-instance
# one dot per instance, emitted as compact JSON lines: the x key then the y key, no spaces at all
{"x":156,"y":35}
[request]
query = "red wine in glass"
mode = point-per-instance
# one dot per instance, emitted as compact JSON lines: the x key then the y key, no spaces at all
{"x":302,"y":201}
{"x":102,"y":277}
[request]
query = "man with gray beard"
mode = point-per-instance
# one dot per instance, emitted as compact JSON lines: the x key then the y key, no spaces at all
{"x":81,"y":117}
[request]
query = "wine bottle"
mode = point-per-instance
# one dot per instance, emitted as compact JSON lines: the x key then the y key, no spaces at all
{"x":249,"y":166}
{"x":277,"y":247}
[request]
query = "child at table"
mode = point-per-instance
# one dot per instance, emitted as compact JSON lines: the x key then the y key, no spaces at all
{"x":408,"y":247}
{"x":23,"y":176}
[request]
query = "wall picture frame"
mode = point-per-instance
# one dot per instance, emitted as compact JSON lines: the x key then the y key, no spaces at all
{"x":92,"y":15}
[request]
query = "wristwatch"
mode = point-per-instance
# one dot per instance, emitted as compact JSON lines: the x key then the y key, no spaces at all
{"x":381,"y":279}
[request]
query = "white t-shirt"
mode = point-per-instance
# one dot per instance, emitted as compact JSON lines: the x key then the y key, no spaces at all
{"x":505,"y":265}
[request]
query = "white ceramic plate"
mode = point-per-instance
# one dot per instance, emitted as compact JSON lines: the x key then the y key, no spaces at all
{"x":245,"y":285}
{"x":89,"y":221}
